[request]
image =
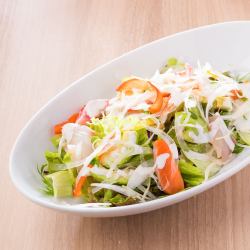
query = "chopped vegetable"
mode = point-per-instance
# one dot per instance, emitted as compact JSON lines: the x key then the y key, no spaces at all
{"x":156,"y":137}
{"x":137,"y":84}
{"x":79,"y":184}
{"x":166,"y":169}
{"x":71,"y":119}
{"x":62,"y":183}
{"x":192,"y":175}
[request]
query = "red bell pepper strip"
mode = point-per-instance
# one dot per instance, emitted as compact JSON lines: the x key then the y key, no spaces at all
{"x":236,"y":94}
{"x":156,"y":106}
{"x":78,"y":185}
{"x":169,"y":176}
{"x":128,"y":86}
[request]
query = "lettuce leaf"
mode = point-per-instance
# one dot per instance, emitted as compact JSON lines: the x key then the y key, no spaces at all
{"x":134,"y":161}
{"x":141,"y":136}
{"x":55,"y":140}
{"x":62,"y":183}
{"x":108,"y":194}
{"x":245,"y":136}
{"x":192,"y":175}
{"x":200,"y":148}
{"x":55,"y":160}
{"x":97,"y":126}
{"x":105,"y":195}
{"x":121,"y":200}
{"x":237,"y":149}
{"x":101,"y":178}
{"x":194,"y":152}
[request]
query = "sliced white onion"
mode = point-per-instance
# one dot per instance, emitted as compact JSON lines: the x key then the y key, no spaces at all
{"x":98,"y":170}
{"x":90,"y":157}
{"x":139,"y":175}
{"x":198,"y":156}
{"x":239,"y":112}
{"x":94,"y":108}
{"x":203,"y":159}
{"x":76,"y":140}
{"x":220,"y":91}
{"x":202,"y":136}
{"x":146,"y":192}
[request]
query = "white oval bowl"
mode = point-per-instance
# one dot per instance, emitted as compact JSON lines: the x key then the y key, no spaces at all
{"x":224,"y":45}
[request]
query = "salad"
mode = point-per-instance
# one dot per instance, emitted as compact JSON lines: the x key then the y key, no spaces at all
{"x":154,"y":138}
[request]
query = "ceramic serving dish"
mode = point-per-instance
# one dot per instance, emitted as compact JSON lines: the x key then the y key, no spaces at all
{"x":224,"y":45}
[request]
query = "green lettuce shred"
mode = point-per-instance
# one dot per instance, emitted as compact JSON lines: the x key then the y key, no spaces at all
{"x":101,"y":178}
{"x":192,"y":175}
{"x":245,"y":137}
{"x":121,"y":200}
{"x":55,"y":160}
{"x":141,"y":136}
{"x":108,"y":194}
{"x":62,"y":183}
{"x":55,"y":140}
{"x":237,"y":148}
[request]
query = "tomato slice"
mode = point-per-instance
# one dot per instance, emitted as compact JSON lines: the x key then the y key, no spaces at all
{"x":168,"y":173}
{"x":128,"y":86}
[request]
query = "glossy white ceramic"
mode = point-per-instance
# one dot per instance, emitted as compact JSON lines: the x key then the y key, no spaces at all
{"x":224,"y":45}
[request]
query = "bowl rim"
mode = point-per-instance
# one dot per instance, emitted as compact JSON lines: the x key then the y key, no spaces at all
{"x":134,"y":208}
